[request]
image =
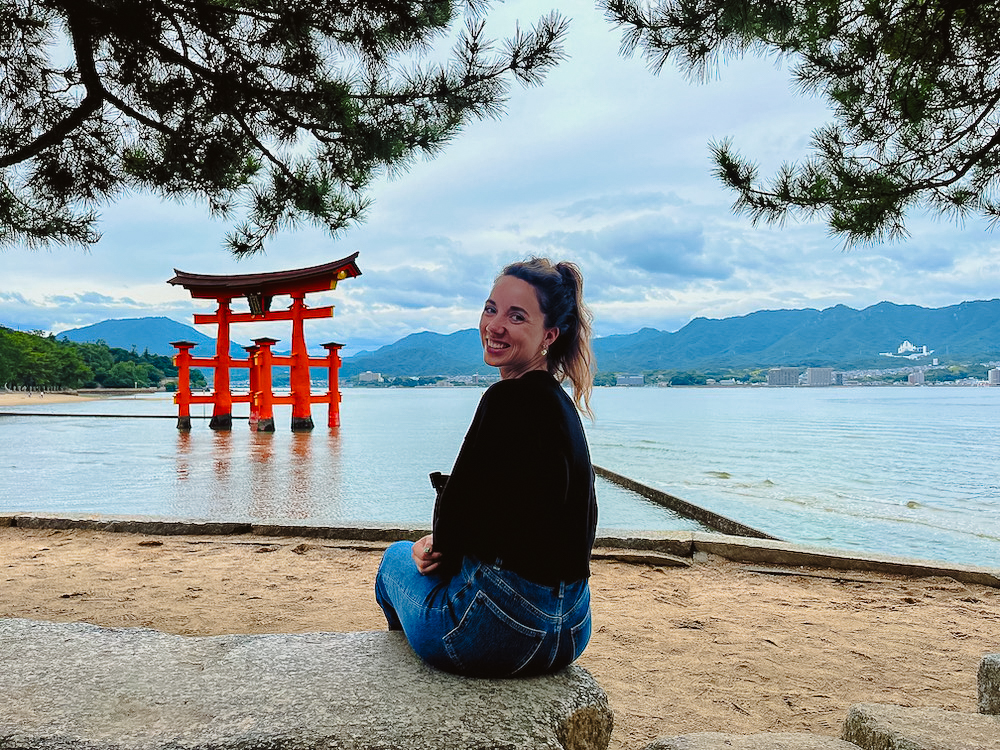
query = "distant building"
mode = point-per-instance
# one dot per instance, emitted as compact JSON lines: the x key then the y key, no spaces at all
{"x":993,"y":377}
{"x":819,"y":376}
{"x":369,"y":377}
{"x":915,"y":378}
{"x":908,"y":351}
{"x":783,"y":376}
{"x":630,"y":380}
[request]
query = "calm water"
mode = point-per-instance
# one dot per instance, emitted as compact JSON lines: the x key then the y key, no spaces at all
{"x":906,"y":471}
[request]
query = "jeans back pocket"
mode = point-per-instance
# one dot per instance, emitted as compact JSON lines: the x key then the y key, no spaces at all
{"x":490,"y":643}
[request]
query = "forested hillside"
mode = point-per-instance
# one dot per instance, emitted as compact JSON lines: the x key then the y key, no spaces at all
{"x":34,"y":360}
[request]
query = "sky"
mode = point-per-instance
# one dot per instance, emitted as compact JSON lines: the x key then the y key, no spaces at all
{"x":605,"y":165}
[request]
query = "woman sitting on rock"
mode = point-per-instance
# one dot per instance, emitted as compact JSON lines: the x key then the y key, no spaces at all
{"x":501,"y":586}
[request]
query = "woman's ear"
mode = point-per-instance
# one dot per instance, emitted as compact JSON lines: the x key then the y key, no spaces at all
{"x":549,"y":338}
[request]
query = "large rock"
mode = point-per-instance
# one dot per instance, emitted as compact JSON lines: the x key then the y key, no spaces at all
{"x":777,"y":741}
{"x":989,"y":684}
{"x":85,"y":687}
{"x":874,"y":726}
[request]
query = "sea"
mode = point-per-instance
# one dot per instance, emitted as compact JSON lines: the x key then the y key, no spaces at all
{"x":901,"y":470}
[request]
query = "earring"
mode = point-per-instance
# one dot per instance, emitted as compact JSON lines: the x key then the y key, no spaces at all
{"x":545,"y":352}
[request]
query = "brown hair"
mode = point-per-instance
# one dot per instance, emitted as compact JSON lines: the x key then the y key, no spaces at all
{"x":559,"y":287}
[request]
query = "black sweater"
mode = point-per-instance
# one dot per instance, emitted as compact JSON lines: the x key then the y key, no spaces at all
{"x":522,"y":488}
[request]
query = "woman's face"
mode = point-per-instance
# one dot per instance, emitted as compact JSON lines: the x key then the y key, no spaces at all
{"x":512,"y":329}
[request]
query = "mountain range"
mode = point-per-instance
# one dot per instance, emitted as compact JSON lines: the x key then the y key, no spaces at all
{"x":839,"y":337}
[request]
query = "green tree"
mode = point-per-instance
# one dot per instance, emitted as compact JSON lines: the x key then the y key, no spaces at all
{"x":688,"y":378}
{"x":914,"y":86}
{"x":11,"y":358}
{"x":35,"y":360}
{"x":71,"y":371}
{"x":127,"y":374}
{"x":197,"y":378}
{"x":289,"y":108}
{"x":98,"y":358}
{"x":605,"y":378}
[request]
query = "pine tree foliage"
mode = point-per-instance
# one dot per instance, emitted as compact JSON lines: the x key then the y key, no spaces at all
{"x":914,"y":86}
{"x":271,"y":112}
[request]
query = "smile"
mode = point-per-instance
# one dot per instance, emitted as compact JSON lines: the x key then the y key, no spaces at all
{"x":490,"y":344}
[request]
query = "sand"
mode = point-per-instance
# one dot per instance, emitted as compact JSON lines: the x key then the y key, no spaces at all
{"x":719,"y":646}
{"x":21,"y":398}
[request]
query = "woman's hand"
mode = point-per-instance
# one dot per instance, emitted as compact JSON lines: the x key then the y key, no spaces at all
{"x":424,"y":555}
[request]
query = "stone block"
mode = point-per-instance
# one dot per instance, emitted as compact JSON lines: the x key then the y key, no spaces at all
{"x":79,"y":686}
{"x":989,"y":684}
{"x":874,"y":726}
{"x":775,"y":741}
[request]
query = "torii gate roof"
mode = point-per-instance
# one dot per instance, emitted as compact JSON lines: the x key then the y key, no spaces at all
{"x":320,"y":278}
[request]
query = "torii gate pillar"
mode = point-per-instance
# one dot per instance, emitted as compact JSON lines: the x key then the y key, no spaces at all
{"x":183,"y":398}
{"x":299,"y":378}
{"x":262,"y":397}
{"x":222,"y":409}
{"x":333,"y":415}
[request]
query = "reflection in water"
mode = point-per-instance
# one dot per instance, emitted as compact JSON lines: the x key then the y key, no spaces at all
{"x":261,"y":498}
{"x":300,"y":488}
{"x":224,"y":496}
{"x":260,"y":476}
{"x":222,"y":442}
{"x":183,"y":455}
{"x":332,"y":484}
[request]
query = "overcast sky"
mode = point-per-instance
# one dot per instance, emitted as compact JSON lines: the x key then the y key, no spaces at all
{"x":606,"y":165}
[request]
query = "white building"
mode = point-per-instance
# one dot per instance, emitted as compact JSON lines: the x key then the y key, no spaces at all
{"x":369,"y":377}
{"x":994,"y":376}
{"x":909,"y":351}
{"x":915,"y":378}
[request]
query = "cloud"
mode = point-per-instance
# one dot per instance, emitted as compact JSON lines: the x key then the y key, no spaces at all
{"x":12,"y":297}
{"x":616,"y":204}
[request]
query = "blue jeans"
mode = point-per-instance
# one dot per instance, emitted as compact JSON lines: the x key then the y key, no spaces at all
{"x":483,"y":621}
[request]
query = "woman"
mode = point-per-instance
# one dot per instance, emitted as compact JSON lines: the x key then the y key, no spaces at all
{"x":501,"y":586}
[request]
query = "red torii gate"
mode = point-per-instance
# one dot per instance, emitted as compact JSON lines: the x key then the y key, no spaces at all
{"x":259,"y":289}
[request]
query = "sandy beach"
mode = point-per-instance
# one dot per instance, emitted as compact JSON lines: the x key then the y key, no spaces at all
{"x":718,"y":646}
{"x":22,"y":398}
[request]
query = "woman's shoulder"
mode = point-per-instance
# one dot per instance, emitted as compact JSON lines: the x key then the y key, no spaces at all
{"x":534,"y":389}
{"x":539,"y":381}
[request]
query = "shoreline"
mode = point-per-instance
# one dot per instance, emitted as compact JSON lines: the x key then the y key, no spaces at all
{"x":21,"y":398}
{"x":37,"y":398}
{"x":680,"y":645}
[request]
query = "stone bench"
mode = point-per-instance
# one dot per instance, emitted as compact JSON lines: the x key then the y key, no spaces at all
{"x":80,"y":686}
{"x":876,"y":726}
{"x":873,"y":726}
